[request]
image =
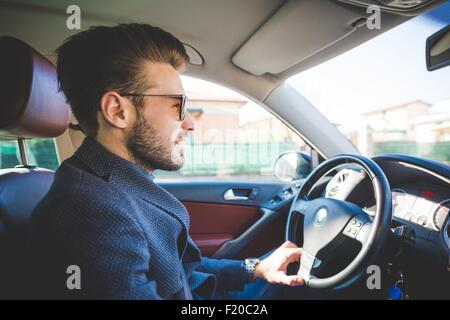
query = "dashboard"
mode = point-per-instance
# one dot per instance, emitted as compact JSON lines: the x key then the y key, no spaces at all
{"x":422,"y":205}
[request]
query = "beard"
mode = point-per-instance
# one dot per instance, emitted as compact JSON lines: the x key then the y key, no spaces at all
{"x":151,"y":151}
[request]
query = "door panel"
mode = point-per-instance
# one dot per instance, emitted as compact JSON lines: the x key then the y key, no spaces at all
{"x":249,"y":224}
{"x":214,"y":224}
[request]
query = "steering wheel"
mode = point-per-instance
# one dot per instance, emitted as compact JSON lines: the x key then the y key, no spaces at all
{"x":329,"y":223}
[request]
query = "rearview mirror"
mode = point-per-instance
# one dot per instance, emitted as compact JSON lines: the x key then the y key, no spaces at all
{"x":292,"y":166}
{"x":438,"y":49}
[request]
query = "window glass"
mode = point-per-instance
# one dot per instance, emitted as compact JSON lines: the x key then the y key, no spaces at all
{"x":41,"y":152}
{"x":234,"y":138}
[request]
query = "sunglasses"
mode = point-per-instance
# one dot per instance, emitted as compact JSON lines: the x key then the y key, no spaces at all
{"x":181,"y":104}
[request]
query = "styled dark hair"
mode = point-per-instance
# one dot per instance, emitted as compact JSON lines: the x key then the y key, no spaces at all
{"x":100,"y":59}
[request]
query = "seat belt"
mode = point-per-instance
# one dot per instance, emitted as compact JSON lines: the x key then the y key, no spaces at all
{"x":186,"y":290}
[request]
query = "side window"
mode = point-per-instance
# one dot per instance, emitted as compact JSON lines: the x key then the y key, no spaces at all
{"x":234,"y":138}
{"x":41,"y":152}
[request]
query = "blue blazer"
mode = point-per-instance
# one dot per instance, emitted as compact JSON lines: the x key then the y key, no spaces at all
{"x":128,"y":236}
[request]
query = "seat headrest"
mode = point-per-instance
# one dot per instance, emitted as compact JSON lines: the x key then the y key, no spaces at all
{"x":30,"y":104}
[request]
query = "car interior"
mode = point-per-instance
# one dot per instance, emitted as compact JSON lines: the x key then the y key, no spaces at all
{"x":389,"y":210}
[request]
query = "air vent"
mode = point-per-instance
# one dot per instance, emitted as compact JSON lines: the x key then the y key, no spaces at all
{"x":333,"y":191}
{"x":343,"y":183}
{"x":342,"y":177}
{"x":333,"y":187}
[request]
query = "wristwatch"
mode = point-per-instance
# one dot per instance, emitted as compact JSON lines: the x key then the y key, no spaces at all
{"x":249,"y":266}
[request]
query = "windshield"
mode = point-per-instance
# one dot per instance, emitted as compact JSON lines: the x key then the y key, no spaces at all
{"x":380,"y":94}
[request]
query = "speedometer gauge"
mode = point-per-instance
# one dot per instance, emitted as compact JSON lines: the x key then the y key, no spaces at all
{"x":440,"y":214}
{"x":400,"y":202}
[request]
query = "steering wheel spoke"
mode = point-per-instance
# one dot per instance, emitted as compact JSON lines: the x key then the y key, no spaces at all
{"x":300,"y":206}
{"x":307,"y":263}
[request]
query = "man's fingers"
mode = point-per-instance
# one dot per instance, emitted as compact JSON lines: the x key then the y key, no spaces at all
{"x":293,"y":254}
{"x":294,"y":280}
{"x":288,"y":244}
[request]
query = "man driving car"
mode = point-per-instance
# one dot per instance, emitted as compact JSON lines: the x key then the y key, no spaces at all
{"x":104,"y":214}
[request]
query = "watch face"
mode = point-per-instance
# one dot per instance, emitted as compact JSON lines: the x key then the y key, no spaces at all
{"x":250,"y":266}
{"x":252,"y":261}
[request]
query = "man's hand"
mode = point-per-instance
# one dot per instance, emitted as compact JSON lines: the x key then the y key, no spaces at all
{"x":273,"y":268}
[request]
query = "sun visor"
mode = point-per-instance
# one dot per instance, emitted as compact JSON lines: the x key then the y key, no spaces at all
{"x":298,"y":30}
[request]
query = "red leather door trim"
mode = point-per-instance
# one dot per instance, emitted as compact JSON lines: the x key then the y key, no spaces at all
{"x":209,"y":243}
{"x":214,"y":224}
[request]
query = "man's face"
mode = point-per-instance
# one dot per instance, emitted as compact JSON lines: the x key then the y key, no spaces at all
{"x":156,"y":141}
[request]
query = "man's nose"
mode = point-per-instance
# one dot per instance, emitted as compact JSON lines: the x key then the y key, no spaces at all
{"x":188,"y":122}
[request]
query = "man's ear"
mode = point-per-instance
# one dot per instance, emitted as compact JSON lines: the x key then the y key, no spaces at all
{"x":116,"y":110}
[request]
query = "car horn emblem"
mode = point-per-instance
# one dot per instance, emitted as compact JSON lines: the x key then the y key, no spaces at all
{"x":321,"y":216}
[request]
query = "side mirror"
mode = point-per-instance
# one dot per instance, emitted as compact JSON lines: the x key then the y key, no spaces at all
{"x":292,"y":166}
{"x":438,"y":49}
